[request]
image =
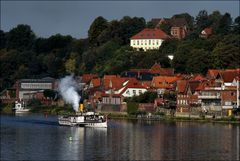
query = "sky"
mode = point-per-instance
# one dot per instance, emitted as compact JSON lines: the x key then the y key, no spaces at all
{"x":73,"y":18}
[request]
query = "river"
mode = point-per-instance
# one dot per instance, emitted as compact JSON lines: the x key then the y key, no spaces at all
{"x":37,"y":137}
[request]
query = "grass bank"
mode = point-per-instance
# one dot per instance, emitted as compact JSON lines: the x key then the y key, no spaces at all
{"x":116,"y":115}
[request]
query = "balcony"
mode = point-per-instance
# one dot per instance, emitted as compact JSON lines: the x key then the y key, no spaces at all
{"x":209,"y":97}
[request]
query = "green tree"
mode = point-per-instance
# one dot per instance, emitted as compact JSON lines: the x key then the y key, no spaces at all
{"x":226,"y":53}
{"x":202,"y":21}
{"x":224,"y":24}
{"x":214,"y":19}
{"x":20,"y":38}
{"x":166,"y":28}
{"x":70,"y":65}
{"x":181,"y":57}
{"x":199,"y":61}
{"x":237,"y":25}
{"x":96,"y":28}
{"x":2,"y":39}
{"x":48,"y":93}
{"x":129,"y":27}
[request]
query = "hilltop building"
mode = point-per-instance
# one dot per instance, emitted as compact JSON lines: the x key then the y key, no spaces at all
{"x":148,"y":39}
{"x":178,"y":26}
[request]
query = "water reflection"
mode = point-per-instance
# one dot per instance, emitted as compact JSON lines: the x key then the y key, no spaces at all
{"x":31,"y":137}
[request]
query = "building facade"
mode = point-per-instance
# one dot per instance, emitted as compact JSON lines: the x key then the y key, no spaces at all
{"x":148,"y":39}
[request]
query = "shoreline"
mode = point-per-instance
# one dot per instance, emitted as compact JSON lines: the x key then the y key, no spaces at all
{"x":54,"y":110}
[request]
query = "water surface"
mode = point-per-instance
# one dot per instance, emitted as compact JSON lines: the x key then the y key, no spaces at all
{"x":36,"y":137}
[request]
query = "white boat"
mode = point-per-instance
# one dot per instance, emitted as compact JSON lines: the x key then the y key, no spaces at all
{"x":85,"y":119}
{"x":20,"y":107}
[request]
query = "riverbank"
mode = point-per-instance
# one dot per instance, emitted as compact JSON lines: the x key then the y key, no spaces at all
{"x":52,"y":110}
{"x":67,"y":110}
{"x":231,"y":119}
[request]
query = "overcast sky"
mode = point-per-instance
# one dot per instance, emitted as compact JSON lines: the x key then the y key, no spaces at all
{"x":73,"y":18}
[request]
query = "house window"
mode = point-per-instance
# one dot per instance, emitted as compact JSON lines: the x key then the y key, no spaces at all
{"x":134,"y":92}
{"x":228,"y":103}
{"x":137,"y":42}
{"x":127,"y":92}
{"x":149,"y":42}
{"x":140,"y":91}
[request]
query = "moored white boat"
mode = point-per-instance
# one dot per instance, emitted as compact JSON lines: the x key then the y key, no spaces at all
{"x":20,"y":107}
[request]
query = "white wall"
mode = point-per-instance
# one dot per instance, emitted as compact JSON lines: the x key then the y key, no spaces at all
{"x":146,"y":44}
{"x":130,"y":92}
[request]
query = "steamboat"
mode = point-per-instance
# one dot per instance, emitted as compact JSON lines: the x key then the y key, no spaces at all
{"x":84,"y":119}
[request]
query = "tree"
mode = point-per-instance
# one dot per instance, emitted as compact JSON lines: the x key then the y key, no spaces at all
{"x":59,"y":41}
{"x":2,"y":39}
{"x":166,"y":28}
{"x":129,"y":27}
{"x":214,"y":19}
{"x":237,"y":25}
{"x":70,"y":65}
{"x":20,"y":38}
{"x":226,"y":53}
{"x":202,"y":20}
{"x":48,"y":93}
{"x":224,"y":24}
{"x":96,"y":28}
{"x":181,"y":57}
{"x":199,"y":61}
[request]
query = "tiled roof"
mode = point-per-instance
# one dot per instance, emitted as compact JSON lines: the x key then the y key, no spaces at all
{"x":194,"y":85}
{"x":96,"y":82}
{"x":155,"y":69}
{"x":207,"y":31}
{"x":229,"y":75}
{"x":150,"y":34}
{"x":212,"y":73}
{"x":198,"y":77}
{"x":88,"y":77}
{"x":178,"y":22}
{"x":181,"y":86}
{"x":163,"y":81}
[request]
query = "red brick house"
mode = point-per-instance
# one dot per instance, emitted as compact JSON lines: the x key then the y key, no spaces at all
{"x":179,"y":27}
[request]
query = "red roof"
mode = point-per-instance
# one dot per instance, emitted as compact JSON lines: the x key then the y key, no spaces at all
{"x":208,"y":31}
{"x":96,"y":82}
{"x":150,"y":34}
{"x":230,"y":74}
{"x":181,"y":86}
{"x":164,"y":81}
{"x":87,"y":77}
{"x":212,"y":73}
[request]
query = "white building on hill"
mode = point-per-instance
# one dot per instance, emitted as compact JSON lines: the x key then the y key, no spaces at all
{"x":148,"y":39}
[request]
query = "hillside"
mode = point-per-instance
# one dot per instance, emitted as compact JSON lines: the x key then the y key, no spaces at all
{"x":107,"y":50}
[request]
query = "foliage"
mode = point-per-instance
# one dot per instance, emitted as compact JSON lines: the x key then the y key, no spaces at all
{"x":34,"y":103}
{"x":132,"y":108}
{"x":20,"y":38}
{"x":98,"y":25}
{"x":48,"y":93}
{"x":146,"y":97}
{"x":107,"y":50}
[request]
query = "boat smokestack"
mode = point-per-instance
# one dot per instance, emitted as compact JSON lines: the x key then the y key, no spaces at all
{"x":81,"y":107}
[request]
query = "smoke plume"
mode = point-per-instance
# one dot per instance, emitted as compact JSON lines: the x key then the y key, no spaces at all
{"x":68,"y":90}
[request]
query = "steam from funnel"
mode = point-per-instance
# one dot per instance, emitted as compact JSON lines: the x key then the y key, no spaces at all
{"x":68,"y":90}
